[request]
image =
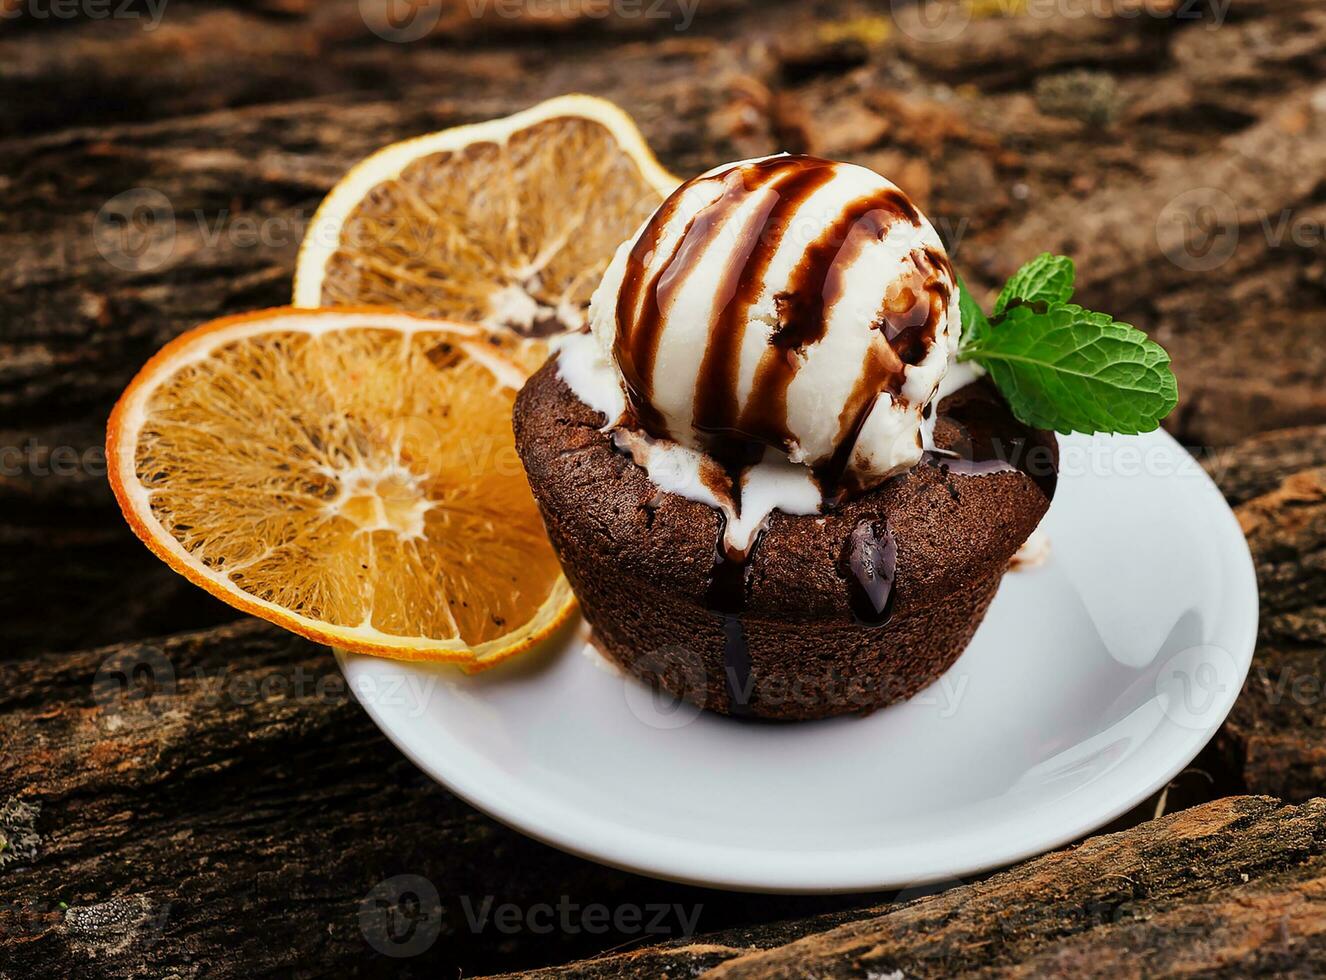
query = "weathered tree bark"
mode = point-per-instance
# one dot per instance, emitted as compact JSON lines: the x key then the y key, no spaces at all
{"x":1260,"y":464}
{"x":85,"y":299}
{"x":1010,"y":154}
{"x":1180,"y":168}
{"x":197,"y":58}
{"x":174,"y":794}
{"x":1230,"y":889}
{"x":1276,"y":734}
{"x":233,"y":819}
{"x":1275,"y":739}
{"x":220,"y":801}
{"x":80,"y":308}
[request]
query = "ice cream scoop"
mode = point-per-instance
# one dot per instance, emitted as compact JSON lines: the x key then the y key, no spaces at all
{"x":786,"y":321}
{"x":790,"y":301}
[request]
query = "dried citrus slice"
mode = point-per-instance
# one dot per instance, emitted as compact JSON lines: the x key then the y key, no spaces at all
{"x":509,"y":222}
{"x":348,"y":474}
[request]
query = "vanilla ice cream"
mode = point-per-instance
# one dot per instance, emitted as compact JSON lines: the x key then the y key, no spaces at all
{"x":792,"y":304}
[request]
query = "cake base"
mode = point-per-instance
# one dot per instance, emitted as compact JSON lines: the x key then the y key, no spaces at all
{"x":840,"y":669}
{"x":795,"y":645}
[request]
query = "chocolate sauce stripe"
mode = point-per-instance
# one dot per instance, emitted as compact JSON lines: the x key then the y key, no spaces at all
{"x":726,"y":596}
{"x":909,"y":333}
{"x":908,"y":340}
{"x":640,"y":320}
{"x":716,"y":388}
{"x":870,"y":565}
{"x":635,"y":353}
{"x":815,"y":286}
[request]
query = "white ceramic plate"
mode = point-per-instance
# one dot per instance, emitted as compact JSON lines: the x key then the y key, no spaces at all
{"x":1093,"y":681}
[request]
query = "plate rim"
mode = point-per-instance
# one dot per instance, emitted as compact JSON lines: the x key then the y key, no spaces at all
{"x":730,"y":868}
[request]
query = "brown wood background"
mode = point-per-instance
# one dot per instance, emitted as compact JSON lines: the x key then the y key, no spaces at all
{"x":233,"y":818}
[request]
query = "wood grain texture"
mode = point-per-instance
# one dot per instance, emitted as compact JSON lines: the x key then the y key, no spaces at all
{"x":227,"y":198}
{"x":238,"y":816}
{"x":1258,"y":465}
{"x":221,"y":799}
{"x":233,"y":120}
{"x":1276,"y":734}
{"x":1230,"y":889}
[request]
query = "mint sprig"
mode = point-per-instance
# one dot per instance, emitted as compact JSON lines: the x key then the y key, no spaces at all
{"x":1045,"y":279}
{"x":1062,"y":367}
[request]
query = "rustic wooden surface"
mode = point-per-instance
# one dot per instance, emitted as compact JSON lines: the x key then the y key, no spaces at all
{"x":232,"y":819}
{"x":1232,"y":889}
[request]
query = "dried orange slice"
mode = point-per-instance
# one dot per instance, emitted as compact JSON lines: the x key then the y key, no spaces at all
{"x":510,"y":222}
{"x":348,"y":474}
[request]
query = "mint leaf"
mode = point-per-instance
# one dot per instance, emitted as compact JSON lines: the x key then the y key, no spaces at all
{"x":1045,"y":279}
{"x":1072,"y":370}
{"x":974,"y":324}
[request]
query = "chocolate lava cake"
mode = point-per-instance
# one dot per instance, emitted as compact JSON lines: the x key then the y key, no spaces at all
{"x":842,"y":612}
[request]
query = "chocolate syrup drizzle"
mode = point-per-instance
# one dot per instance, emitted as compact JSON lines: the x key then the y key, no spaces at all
{"x":726,"y":594}
{"x":870,"y":559}
{"x":908,"y":318}
{"x":791,"y":182}
{"x":727,"y":597}
{"x":977,"y":450}
{"x":907,"y":322}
